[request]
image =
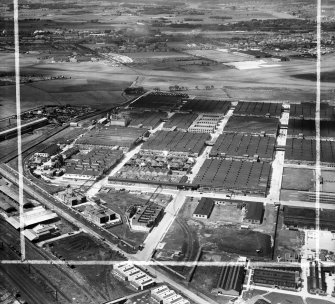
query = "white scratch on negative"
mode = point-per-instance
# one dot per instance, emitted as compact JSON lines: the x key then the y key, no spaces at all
{"x":317,"y":133}
{"x":18,"y":115}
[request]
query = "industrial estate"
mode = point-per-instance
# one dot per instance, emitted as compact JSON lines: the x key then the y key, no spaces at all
{"x":139,"y":189}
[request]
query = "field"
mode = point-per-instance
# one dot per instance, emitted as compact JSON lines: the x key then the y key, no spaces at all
{"x":220,"y":55}
{"x":268,"y":84}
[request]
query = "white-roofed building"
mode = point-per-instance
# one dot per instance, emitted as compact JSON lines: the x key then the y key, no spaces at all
{"x":137,"y":278}
{"x":165,"y":295}
{"x":34,"y":216}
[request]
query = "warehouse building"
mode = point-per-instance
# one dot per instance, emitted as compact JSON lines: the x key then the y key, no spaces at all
{"x":131,"y":273}
{"x":285,"y":279}
{"x":254,"y":213}
{"x":231,"y":280}
{"x":165,"y":295}
{"x":204,"y":208}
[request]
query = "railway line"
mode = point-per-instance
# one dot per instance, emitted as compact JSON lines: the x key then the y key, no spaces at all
{"x":11,"y":236}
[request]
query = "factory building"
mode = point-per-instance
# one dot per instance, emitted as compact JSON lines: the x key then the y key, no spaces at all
{"x":131,"y":273}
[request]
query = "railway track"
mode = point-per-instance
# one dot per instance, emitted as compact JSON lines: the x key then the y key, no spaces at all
{"x":12,"y":235}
